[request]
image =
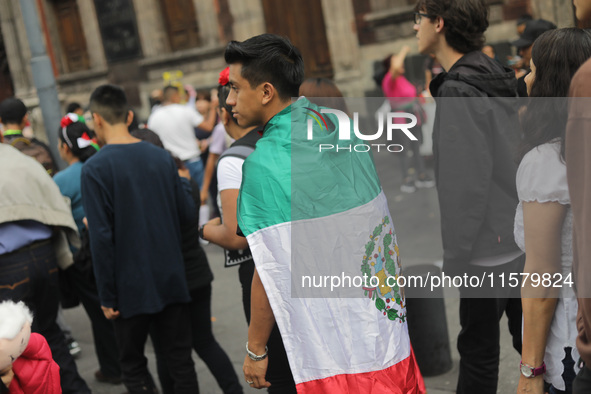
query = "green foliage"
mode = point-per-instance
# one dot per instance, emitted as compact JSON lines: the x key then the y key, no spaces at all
{"x":380,"y":304}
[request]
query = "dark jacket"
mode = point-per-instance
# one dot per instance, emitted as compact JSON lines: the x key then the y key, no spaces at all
{"x":474,"y":139}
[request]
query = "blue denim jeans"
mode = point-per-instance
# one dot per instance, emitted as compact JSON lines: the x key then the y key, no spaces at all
{"x":30,"y":274}
{"x":196,"y":170}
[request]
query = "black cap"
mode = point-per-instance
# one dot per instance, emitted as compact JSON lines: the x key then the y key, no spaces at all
{"x":12,"y":110}
{"x":533,"y":29}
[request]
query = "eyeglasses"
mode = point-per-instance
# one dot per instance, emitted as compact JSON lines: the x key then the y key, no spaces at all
{"x":419,"y":16}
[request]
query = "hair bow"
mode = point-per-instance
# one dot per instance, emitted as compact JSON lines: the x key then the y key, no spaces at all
{"x":85,"y":141}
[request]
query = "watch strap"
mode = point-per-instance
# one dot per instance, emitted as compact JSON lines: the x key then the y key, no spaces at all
{"x":535,"y":371}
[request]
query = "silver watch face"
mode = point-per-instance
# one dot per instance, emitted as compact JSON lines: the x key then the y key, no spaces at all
{"x":526,"y":371}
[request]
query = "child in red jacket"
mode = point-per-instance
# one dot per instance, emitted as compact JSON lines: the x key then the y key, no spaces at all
{"x":26,"y":365}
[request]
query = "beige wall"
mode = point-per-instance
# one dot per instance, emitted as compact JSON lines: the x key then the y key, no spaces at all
{"x":17,"y":47}
{"x":557,"y":11}
{"x":249,"y":19}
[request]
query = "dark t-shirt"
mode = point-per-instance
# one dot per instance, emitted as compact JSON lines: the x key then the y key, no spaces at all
{"x":135,"y":203}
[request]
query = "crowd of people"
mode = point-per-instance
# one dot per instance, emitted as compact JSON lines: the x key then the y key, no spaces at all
{"x":121,"y":229}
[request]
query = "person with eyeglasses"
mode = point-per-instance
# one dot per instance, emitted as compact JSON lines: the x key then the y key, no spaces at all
{"x":473,"y":140}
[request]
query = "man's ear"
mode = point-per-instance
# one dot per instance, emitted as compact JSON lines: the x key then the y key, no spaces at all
{"x":129,"y":117}
{"x":24,"y":120}
{"x":439,"y":24}
{"x":97,"y":120}
{"x":269,"y":92}
{"x":225,"y":116}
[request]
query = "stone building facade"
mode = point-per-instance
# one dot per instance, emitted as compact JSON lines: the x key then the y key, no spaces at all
{"x":134,"y":42}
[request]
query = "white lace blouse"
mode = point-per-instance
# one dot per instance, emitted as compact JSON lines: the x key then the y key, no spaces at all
{"x":541,"y":177}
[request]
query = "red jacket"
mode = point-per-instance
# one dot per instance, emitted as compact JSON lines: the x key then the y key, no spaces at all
{"x":35,"y":372}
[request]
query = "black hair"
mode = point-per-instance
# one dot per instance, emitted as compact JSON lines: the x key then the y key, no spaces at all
{"x":151,"y":137}
{"x":204,"y":95}
{"x":110,"y":102}
{"x":465,"y":21}
{"x":223,"y":92}
{"x":148,"y":136}
{"x":134,"y":125}
{"x":269,"y":58}
{"x":73,"y":107}
{"x":69,"y":135}
{"x":557,"y":55}
{"x":12,"y":110}
{"x":524,"y":19}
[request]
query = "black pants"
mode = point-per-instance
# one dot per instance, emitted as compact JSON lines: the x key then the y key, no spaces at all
{"x":582,"y":383}
{"x":478,"y":341}
{"x":278,"y":370}
{"x":83,"y":283}
{"x":30,"y":274}
{"x":204,"y":343}
{"x":173,"y":329}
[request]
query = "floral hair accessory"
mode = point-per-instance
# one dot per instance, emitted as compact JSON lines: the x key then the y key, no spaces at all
{"x":82,"y":142}
{"x":224,"y":76}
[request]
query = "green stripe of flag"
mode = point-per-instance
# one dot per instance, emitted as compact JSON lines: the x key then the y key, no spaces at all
{"x":286,"y":178}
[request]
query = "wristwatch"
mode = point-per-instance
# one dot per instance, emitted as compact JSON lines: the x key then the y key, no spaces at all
{"x":201,"y":231}
{"x":530,"y":372}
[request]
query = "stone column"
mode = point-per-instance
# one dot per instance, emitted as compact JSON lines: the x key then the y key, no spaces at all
{"x":17,"y":47}
{"x":249,"y":18}
{"x":92,"y":34}
{"x":339,"y":19}
{"x":558,"y":11}
{"x":150,"y":24}
{"x":207,"y":20}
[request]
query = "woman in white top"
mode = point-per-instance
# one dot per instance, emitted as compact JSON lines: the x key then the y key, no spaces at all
{"x":543,"y":221}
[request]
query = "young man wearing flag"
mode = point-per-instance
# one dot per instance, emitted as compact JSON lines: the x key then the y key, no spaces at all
{"x":304,"y":211}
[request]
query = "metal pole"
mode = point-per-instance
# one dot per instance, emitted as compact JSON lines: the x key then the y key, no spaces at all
{"x":43,"y":78}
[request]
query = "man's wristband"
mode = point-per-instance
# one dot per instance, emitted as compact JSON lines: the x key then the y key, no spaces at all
{"x":255,"y":357}
{"x":201,"y":228}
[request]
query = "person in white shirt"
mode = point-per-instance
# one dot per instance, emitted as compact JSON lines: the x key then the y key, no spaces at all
{"x":175,"y":125}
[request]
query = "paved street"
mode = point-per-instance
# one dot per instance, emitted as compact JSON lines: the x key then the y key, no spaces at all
{"x":416,"y":219}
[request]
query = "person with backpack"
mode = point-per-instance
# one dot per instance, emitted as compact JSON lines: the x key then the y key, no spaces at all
{"x":14,"y":116}
{"x":222,"y":231}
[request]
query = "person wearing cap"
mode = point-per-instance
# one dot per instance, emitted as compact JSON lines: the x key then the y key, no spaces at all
{"x":521,"y":22}
{"x":533,"y":29}
{"x":14,"y":116}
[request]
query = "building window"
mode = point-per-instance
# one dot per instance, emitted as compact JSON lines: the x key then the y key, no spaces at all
{"x":181,"y":23}
{"x":72,"y":41}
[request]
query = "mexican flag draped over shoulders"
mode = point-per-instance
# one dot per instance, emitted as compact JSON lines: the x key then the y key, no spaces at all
{"x":314,"y":218}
